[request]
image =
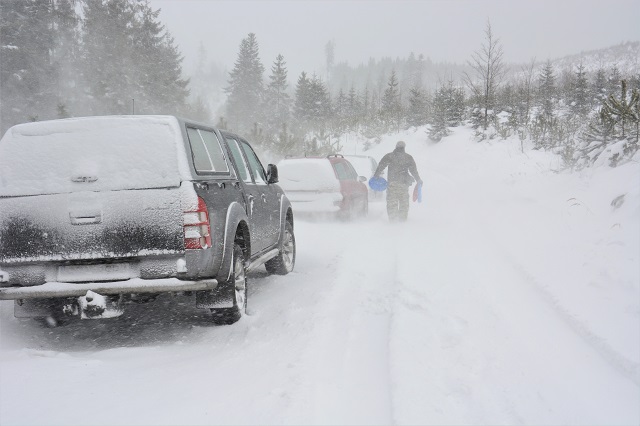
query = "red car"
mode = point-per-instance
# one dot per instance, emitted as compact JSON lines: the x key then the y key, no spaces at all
{"x":324,"y":186}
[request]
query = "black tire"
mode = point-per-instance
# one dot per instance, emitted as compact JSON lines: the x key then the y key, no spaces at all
{"x":238,"y":282}
{"x":284,"y":262}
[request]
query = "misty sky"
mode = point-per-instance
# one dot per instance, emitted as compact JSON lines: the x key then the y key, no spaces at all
{"x":442,"y":30}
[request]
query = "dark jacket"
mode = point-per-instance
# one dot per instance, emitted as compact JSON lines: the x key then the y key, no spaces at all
{"x":402,"y":167}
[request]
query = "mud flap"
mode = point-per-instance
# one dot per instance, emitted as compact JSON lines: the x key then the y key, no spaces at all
{"x":220,"y":297}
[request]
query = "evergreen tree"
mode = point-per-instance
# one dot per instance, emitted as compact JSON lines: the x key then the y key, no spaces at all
{"x":109,"y":69}
{"x":417,"y":112}
{"x":439,"y":123}
{"x":342,"y":111}
{"x":65,"y":56}
{"x":613,"y":81}
{"x":319,"y":104}
{"x":599,"y":88}
{"x":302,"y":106}
{"x":139,"y":70}
{"x":355,"y":108}
{"x":391,"y":108}
{"x":158,"y":83}
{"x":277,"y":100}
{"x":623,"y":111}
{"x":27,"y":34}
{"x":580,"y":96}
{"x":545,"y":120}
{"x":525,"y":96}
{"x":330,"y":55}
{"x":245,"y":88}
{"x":618,"y":122}
{"x":547,"y":90}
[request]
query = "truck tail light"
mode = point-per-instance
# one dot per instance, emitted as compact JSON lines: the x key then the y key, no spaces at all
{"x":197,"y":229}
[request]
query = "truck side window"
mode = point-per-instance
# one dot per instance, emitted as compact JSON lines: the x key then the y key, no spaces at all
{"x":254,"y":164}
{"x":243,"y":170}
{"x":207,"y":152}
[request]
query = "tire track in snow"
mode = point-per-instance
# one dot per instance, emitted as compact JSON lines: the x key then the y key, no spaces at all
{"x":621,"y":364}
{"x":349,"y":350}
{"x":617,"y":361}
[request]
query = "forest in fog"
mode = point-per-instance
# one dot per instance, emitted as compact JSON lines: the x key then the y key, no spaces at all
{"x":57,"y":63}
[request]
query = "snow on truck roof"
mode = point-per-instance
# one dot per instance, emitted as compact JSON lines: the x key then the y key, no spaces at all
{"x":92,"y":154}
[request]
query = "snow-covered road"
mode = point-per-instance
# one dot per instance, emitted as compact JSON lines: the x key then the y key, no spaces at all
{"x":496,"y":303}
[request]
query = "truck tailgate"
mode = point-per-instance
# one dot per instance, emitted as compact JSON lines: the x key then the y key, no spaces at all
{"x":90,"y":225}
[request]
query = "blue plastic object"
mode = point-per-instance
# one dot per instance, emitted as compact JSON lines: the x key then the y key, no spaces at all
{"x":417,"y":193}
{"x":378,"y":184}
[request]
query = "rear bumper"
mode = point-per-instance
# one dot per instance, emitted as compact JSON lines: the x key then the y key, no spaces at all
{"x":134,"y":285}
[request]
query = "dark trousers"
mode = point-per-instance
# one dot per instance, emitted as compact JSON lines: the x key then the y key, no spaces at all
{"x":397,"y":202}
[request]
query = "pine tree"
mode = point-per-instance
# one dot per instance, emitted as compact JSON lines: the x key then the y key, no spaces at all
{"x":391,"y":108}
{"x":580,"y":95}
{"x":417,"y":112}
{"x":245,"y":88}
{"x":158,"y":83}
{"x":65,"y":55}
{"x":355,"y":108}
{"x":277,"y":100}
{"x":447,"y":110}
{"x":342,"y":111}
{"x":547,"y":90}
{"x":438,"y":119}
{"x":623,"y":111}
{"x":109,"y":67}
{"x":613,"y":81}
{"x":545,"y":121}
{"x":599,"y":87}
{"x":525,"y":96}
{"x":27,"y":34}
{"x":302,"y":106}
{"x":320,"y":109}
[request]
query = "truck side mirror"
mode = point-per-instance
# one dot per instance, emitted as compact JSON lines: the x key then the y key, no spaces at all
{"x":272,"y":173}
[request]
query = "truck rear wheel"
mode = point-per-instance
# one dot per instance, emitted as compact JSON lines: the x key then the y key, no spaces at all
{"x":238,"y":282}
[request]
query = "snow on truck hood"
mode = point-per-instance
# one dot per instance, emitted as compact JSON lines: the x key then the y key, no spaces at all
{"x":92,"y":154}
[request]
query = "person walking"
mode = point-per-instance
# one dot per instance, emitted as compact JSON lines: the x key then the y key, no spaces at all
{"x":401,"y":174}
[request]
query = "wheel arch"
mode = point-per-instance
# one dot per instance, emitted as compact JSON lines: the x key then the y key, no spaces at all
{"x":236,"y":229}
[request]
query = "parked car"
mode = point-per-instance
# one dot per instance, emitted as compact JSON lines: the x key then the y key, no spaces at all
{"x":99,"y":211}
{"x":324,"y":186}
{"x":366,"y":166}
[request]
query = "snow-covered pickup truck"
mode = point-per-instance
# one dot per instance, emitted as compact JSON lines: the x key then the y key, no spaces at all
{"x":96,"y":212}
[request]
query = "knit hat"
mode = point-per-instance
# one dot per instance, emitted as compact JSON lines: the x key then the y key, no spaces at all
{"x":401,"y":144}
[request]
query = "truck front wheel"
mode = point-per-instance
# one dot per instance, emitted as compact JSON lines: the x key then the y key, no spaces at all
{"x":283,"y":263}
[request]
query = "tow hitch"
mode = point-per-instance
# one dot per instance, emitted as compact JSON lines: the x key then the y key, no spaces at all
{"x":93,"y":306}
